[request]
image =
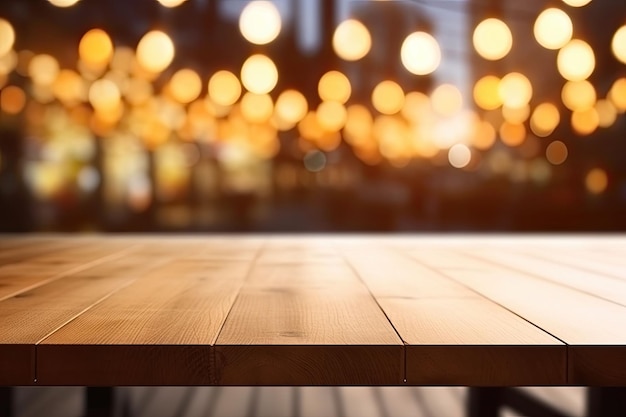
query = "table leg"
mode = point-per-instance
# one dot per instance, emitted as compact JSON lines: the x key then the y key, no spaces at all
{"x":606,"y":402}
{"x":484,"y":402}
{"x":6,"y":402}
{"x":100,"y":402}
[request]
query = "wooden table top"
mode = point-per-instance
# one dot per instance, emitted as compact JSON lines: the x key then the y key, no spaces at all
{"x":313,"y":310}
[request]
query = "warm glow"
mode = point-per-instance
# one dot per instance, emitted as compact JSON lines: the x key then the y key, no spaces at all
{"x":224,"y":88}
{"x":545,"y":119}
{"x":69,"y":87}
{"x":155,"y":51}
{"x":185,"y":86}
{"x":446,"y":100}
{"x":492,"y":39}
{"x":607,"y":113}
{"x":553,"y":28}
{"x":556,"y":153}
{"x":577,"y":3}
{"x":420,"y":53}
{"x":618,"y":45}
{"x":104,"y":95}
{"x":576,"y":61}
{"x":96,"y":48}
{"x":7,"y":37}
{"x":585,"y":122}
{"x":12,"y":100}
{"x":486,"y":93}
{"x":291,"y":107}
{"x":331,"y":116}
{"x":358,"y":128}
{"x":416,"y":106}
{"x":351,"y":40}
{"x":515,"y":90}
{"x":516,"y":115}
{"x":484,"y":135}
{"x":578,"y":95}
{"x":597,"y":181}
{"x":171,"y":3}
{"x":459,"y":156}
{"x":334,"y":86}
{"x":388,"y":97}
{"x":618,"y":94}
{"x":259,"y":74}
{"x":260,"y":22}
{"x":8,"y":62}
{"x":63,"y":3}
{"x":257,"y":108}
{"x":43,"y":69}
{"x":512,"y":134}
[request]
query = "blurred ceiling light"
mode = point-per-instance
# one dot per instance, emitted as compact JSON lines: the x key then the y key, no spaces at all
{"x":557,"y":153}
{"x":63,"y":3}
{"x":553,"y":28}
{"x":618,"y":45}
{"x":486,"y":93}
{"x":388,"y":97}
{"x":577,"y":3}
{"x":578,"y":95}
{"x":171,"y":3}
{"x":420,"y":53}
{"x":334,"y":86}
{"x":291,"y":106}
{"x":515,"y":90}
{"x":459,"y":156}
{"x":585,"y":122}
{"x":545,"y":119}
{"x":331,"y":116}
{"x":446,"y":100}
{"x":260,"y":22}
{"x":155,"y":51}
{"x":43,"y":69}
{"x":618,"y":94}
{"x":224,"y":88}
{"x":7,"y":36}
{"x":185,"y":86}
{"x":259,"y":74}
{"x":351,"y":40}
{"x":492,"y":39}
{"x":257,"y":108}
{"x":576,"y":60}
{"x":597,"y":181}
{"x":96,"y":47}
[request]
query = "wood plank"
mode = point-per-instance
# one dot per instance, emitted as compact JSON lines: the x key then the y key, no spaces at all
{"x":591,"y":327}
{"x":307,"y":324}
{"x":453,"y":335}
{"x":157,"y":331}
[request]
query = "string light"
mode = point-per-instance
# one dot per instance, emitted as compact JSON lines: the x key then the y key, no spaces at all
{"x":351,"y":40}
{"x":260,"y":22}
{"x":155,"y":51}
{"x":576,"y":60}
{"x":259,"y":74}
{"x":553,"y":28}
{"x":420,"y":53}
{"x":334,"y":86}
{"x":492,"y":39}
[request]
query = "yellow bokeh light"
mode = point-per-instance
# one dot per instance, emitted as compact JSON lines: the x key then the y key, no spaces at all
{"x":96,"y":47}
{"x":577,"y":3}
{"x":492,"y":39}
{"x":43,"y":69}
{"x":12,"y":100}
{"x":597,"y":181}
{"x":607,"y":113}
{"x":334,"y":86}
{"x":420,"y":53}
{"x":545,"y":119}
{"x":171,"y":3}
{"x":484,"y":135}
{"x":486,"y":93}
{"x":63,"y":3}
{"x":331,"y":116}
{"x":585,"y":122}
{"x":185,"y":86}
{"x":618,"y":44}
{"x":578,"y":95}
{"x":359,"y":123}
{"x":416,"y":106}
{"x":459,"y":156}
{"x":512,"y":134}
{"x":291,"y":107}
{"x":224,"y":88}
{"x":388,"y":97}
{"x":557,"y":153}
{"x":515,"y":90}
{"x":104,"y":95}
{"x":7,"y":36}
{"x":138,"y":91}
{"x":617,"y":95}
{"x":259,"y":74}
{"x":351,"y":40}
{"x":576,"y":60}
{"x":8,"y":62}
{"x":257,"y":108}
{"x":446,"y":100}
{"x":260,"y":22}
{"x":553,"y":28}
{"x":69,"y":87}
{"x":516,"y":115}
{"x":155,"y":51}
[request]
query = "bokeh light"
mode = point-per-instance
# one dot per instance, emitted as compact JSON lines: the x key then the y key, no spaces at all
{"x":553,"y":28}
{"x":545,"y":119}
{"x":446,"y":100}
{"x":43,"y":69}
{"x":597,"y":181}
{"x":155,"y":51}
{"x":388,"y":97}
{"x":96,"y":48}
{"x":12,"y":99}
{"x":224,"y":88}
{"x":576,"y":60}
{"x":607,"y":113}
{"x":334,"y":86}
{"x":618,"y":44}
{"x":63,"y":3}
{"x":259,"y":74}
{"x":492,"y":39}
{"x":577,"y":3}
{"x":315,"y":161}
{"x":185,"y":86}
{"x":578,"y":95}
{"x":171,"y":3}
{"x":459,"y":156}
{"x":7,"y":37}
{"x":585,"y":122}
{"x":617,"y":94}
{"x":512,"y":134}
{"x":486,"y":93}
{"x":352,"y":40}
{"x":257,"y":108}
{"x":515,"y":90}
{"x":260,"y":22}
{"x":557,"y":153}
{"x":104,"y":95}
{"x":291,"y":106}
{"x":331,"y":116}
{"x":420,"y":53}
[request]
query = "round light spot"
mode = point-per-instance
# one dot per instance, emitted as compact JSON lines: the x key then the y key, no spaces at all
{"x":224,"y":88}
{"x":607,"y":113}
{"x":577,"y":3}
{"x":578,"y":95}
{"x":585,"y":122}
{"x":63,"y":3}
{"x":185,"y":86}
{"x":96,"y":47}
{"x":104,"y":95}
{"x":492,"y":39}
{"x":618,"y":44}
{"x":553,"y":28}
{"x":315,"y":161}
{"x":331,"y":116}
{"x":576,"y":61}
{"x":334,"y":86}
{"x":617,"y":95}
{"x":155,"y":51}
{"x":291,"y":106}
{"x":259,"y":74}
{"x":257,"y":108}
{"x":486,"y":93}
{"x":556,"y":153}
{"x":351,"y":40}
{"x":515,"y":90}
{"x":171,"y":3}
{"x":597,"y":181}
{"x":446,"y":100}
{"x":12,"y":99}
{"x":7,"y":37}
{"x":388,"y":97}
{"x":420,"y":53}
{"x":260,"y":22}
{"x":459,"y":156}
{"x":545,"y":119}
{"x":43,"y":69}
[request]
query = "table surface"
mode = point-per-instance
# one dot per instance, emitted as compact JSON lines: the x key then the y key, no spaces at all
{"x":313,"y":310}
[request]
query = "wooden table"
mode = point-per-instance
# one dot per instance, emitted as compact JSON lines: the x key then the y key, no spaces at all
{"x":313,"y":310}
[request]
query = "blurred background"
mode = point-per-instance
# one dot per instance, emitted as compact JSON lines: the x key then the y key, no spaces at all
{"x":312,"y":115}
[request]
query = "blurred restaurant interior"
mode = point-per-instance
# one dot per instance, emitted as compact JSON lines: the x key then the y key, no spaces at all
{"x":312,"y":115}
